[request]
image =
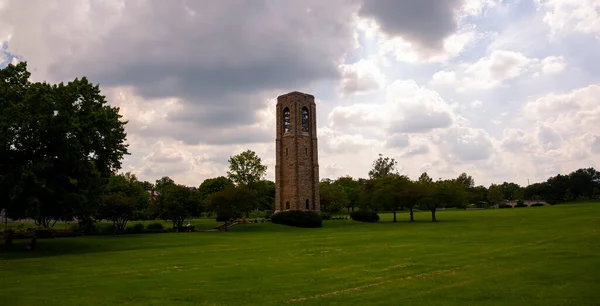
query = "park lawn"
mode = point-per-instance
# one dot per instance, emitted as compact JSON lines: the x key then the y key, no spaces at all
{"x":521,"y":256}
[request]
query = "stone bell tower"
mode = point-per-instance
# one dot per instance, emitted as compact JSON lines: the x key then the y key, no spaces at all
{"x":296,"y":161}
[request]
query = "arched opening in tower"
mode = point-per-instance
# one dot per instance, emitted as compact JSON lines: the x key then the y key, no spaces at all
{"x":307,"y":204}
{"x":305,"y":119}
{"x":287,"y":122}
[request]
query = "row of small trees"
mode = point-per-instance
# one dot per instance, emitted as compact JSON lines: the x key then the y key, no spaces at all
{"x":386,"y":189}
{"x":242,"y":191}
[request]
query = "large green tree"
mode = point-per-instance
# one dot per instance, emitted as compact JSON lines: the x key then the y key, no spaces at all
{"x":124,"y":200}
{"x":440,"y":194}
{"x":58,"y":146}
{"x":265,"y":191}
{"x":390,"y":192}
{"x":412,"y":194}
{"x":352,"y":188}
{"x":179,"y":202}
{"x":332,"y":197}
{"x":495,"y":195}
{"x":213,"y":185}
{"x":233,"y":201}
{"x":383,"y":166}
{"x":246,"y":168}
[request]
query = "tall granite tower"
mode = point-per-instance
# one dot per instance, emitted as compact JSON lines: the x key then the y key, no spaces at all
{"x":297,"y":162}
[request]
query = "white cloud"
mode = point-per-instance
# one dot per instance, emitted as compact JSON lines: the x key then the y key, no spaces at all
{"x":444,"y":77}
{"x":341,"y":143}
{"x":487,"y":73}
{"x":465,"y":144}
{"x":476,"y":104}
{"x":362,"y":76}
{"x":553,"y":64}
{"x":409,"y":108}
{"x":565,"y":16}
{"x":405,"y":51}
{"x":571,"y":114}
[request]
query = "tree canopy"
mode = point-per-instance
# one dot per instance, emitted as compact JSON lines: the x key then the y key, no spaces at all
{"x":246,"y":168}
{"x":59,"y":145}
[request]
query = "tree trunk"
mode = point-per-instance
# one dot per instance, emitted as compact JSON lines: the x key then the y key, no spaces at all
{"x":433,"y":219}
{"x":394,"y":212}
{"x":32,"y":243}
{"x":411,"y":214}
{"x":8,"y":239}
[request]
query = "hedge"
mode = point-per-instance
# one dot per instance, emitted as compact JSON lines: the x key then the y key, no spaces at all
{"x":364,"y":216}
{"x":298,"y":218}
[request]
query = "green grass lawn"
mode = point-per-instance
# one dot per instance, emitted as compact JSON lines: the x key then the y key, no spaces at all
{"x":522,"y":256}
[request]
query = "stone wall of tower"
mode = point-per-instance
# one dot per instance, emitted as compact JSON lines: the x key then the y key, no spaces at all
{"x":297,"y":167}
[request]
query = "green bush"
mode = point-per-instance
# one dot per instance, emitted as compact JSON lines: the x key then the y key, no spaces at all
{"x":155,"y":226}
{"x":105,"y":228}
{"x":45,"y":232}
{"x":298,"y":218}
{"x":326,"y":215}
{"x":364,"y":216}
{"x":268,"y":214}
{"x":138,"y":228}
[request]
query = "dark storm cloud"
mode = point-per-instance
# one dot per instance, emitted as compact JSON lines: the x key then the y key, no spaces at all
{"x":423,"y":22}
{"x":217,"y":56}
{"x":210,"y":48}
{"x":192,"y":133}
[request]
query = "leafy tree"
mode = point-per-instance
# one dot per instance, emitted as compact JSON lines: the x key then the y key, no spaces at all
{"x":367,"y":194}
{"x":583,"y":182}
{"x":440,"y":194}
{"x":214,"y":185}
{"x":119,"y":208}
{"x":246,"y":168}
{"x":511,"y":191}
{"x":124,"y":192}
{"x":332,"y":197}
{"x":352,"y":188}
{"x":179,"y":202}
{"x":58,"y":146}
{"x":495,"y":195}
{"x":478,"y":194}
{"x":383,"y":166}
{"x":265,"y":191}
{"x":424,"y":178}
{"x":466,"y":181}
{"x":163,"y":182}
{"x":412,"y":194}
{"x":233,"y":200}
{"x":390,"y":191}
{"x":147,"y":185}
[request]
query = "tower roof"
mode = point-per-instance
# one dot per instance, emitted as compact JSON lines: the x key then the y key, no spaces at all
{"x":295,"y":93}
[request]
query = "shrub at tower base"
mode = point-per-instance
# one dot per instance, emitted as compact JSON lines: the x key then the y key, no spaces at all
{"x":364,"y":216}
{"x":298,"y":218}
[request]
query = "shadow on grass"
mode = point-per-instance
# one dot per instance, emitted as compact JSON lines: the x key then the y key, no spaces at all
{"x":51,"y":247}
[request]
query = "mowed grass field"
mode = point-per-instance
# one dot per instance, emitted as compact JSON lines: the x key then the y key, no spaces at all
{"x":522,"y":256}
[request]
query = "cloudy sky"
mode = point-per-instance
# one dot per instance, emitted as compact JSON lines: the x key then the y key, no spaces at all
{"x":503,"y":90}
